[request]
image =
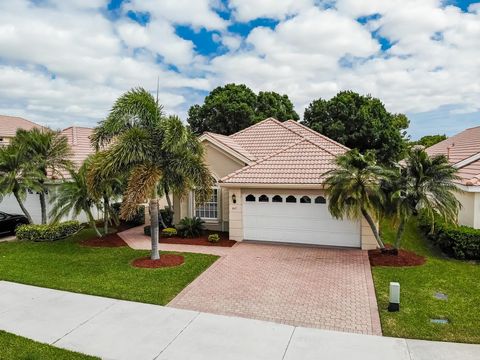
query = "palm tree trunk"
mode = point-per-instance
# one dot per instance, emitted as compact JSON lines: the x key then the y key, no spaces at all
{"x":167,"y":195}
{"x":374,"y":228}
{"x":400,"y":231}
{"x":155,"y":255}
{"x":92,"y":222}
{"x":43,"y":206}
{"x":24,"y":209}
{"x":106,"y":212}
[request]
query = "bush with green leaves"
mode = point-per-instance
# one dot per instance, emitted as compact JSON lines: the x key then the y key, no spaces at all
{"x":137,"y":219}
{"x":190,"y":227}
{"x":461,"y":242}
{"x":48,"y":232}
{"x":147,"y":230}
{"x":167,"y":216}
{"x":169,"y":232}
{"x":214,"y":238}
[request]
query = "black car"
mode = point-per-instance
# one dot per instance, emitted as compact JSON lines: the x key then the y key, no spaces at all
{"x":9,"y":222}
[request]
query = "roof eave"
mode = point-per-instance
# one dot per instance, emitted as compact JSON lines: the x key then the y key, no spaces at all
{"x":272,"y":186}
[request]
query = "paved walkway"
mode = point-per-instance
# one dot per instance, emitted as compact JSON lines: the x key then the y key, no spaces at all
{"x":295,"y":285}
{"x":137,"y":240}
{"x":114,"y":329}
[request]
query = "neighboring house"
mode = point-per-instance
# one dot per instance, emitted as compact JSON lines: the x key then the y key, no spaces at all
{"x":78,"y":138}
{"x":463,"y":152}
{"x":270,"y":187}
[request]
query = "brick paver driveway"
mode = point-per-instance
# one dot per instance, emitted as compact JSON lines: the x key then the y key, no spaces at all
{"x":302,"y":286}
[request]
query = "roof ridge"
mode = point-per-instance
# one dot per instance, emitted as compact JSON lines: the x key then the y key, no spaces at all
{"x":76,"y":126}
{"x":247,"y":154}
{"x":22,"y":118}
{"x":318,"y":134}
{"x":254,"y":125}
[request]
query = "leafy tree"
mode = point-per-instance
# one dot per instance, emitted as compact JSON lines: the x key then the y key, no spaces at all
{"x":73,"y":197}
{"x":354,"y":189}
{"x":429,"y":140}
{"x":50,"y":152}
{"x":143,"y":143}
{"x":272,"y":104}
{"x":422,"y":184}
{"x":359,"y":122}
{"x":18,"y":175}
{"x":231,"y":108}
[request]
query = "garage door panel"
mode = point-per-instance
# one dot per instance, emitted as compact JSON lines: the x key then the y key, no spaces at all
{"x":297,"y":223}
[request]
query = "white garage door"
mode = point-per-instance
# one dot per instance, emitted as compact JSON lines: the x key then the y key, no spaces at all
{"x":295,"y":218}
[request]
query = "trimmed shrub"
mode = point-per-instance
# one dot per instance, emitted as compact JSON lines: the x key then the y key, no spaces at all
{"x":214,"y":238}
{"x":461,"y":242}
{"x":48,"y":232}
{"x":190,"y":227}
{"x":167,"y":216}
{"x":136,"y":220}
{"x":169,"y":232}
{"x":147,"y":231}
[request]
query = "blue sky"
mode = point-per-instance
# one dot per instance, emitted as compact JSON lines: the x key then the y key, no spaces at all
{"x":66,"y":62}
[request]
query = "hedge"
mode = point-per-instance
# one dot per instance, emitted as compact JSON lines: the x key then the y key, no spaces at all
{"x":461,"y":242}
{"x":136,"y":220}
{"x":48,"y":232}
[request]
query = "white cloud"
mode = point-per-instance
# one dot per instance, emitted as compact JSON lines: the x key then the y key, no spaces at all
{"x":246,"y":10}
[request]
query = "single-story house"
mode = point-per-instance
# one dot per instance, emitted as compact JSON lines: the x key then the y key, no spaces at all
{"x":463,"y":152}
{"x":269,"y":187}
{"x":78,"y":138}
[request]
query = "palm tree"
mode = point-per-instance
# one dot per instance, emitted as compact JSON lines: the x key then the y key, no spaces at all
{"x":18,"y":175}
{"x":144,"y":144}
{"x":354,"y":189}
{"x":50,"y":152}
{"x":422,"y":184}
{"x":73,"y":197}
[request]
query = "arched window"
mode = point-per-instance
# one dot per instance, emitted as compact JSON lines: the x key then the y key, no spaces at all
{"x":277,"y":198}
{"x":291,"y":199}
{"x":263,"y":198}
{"x":320,"y":200}
{"x":250,"y":197}
{"x":305,"y":200}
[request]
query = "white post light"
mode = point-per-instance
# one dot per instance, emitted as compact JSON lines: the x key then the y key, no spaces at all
{"x":394,"y":304}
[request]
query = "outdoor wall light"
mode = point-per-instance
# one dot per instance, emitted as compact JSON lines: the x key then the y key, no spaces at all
{"x":394,"y":304}
{"x":234,"y":199}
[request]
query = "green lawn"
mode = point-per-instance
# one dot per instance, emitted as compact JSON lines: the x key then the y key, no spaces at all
{"x":460,"y":280}
{"x":17,"y":347}
{"x":66,"y":265}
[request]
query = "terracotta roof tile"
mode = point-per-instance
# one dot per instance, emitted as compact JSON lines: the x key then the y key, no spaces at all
{"x":232,"y":144}
{"x":79,"y":140}
{"x":10,"y":124}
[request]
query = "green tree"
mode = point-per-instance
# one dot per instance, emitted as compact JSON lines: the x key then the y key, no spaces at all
{"x":272,"y":104}
{"x":231,"y":108}
{"x":422,"y":184}
{"x":359,"y":122}
{"x":50,"y":152}
{"x":429,"y":140}
{"x":73,"y":197}
{"x":143,"y":142}
{"x":354,"y":190}
{"x":18,"y":175}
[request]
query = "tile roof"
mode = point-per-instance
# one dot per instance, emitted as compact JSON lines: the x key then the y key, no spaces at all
{"x":79,"y":141}
{"x":462,"y":151}
{"x":303,"y":162}
{"x":10,"y":124}
{"x":232,"y":144}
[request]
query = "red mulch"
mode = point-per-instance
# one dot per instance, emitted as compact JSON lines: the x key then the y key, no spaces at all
{"x":166,"y":260}
{"x":404,"y":258}
{"x":111,"y":240}
{"x":201,"y":240}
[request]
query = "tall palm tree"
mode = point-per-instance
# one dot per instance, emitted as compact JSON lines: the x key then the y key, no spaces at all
{"x":18,"y":175}
{"x":422,"y":184}
{"x":354,"y":190}
{"x":73,"y":197}
{"x":50,"y":151}
{"x":144,"y":143}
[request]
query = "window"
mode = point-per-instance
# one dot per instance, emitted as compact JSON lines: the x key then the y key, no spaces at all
{"x":320,"y":200}
{"x":305,"y":200}
{"x":277,"y":198}
{"x":263,"y":198}
{"x":209,"y":210}
{"x":291,"y":199}
{"x":250,"y":197}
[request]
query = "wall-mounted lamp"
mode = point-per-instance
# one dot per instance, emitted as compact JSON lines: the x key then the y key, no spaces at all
{"x":234,"y":199}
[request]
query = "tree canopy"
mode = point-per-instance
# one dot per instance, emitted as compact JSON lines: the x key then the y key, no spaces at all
{"x":429,"y":140}
{"x":233,"y":107}
{"x":359,"y":122}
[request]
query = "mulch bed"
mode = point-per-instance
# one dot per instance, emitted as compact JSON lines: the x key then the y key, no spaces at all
{"x":404,"y":258}
{"x":166,"y":260}
{"x":201,"y":240}
{"x":111,"y":240}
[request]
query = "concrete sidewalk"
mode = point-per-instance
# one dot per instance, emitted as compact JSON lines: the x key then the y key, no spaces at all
{"x":114,"y":329}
